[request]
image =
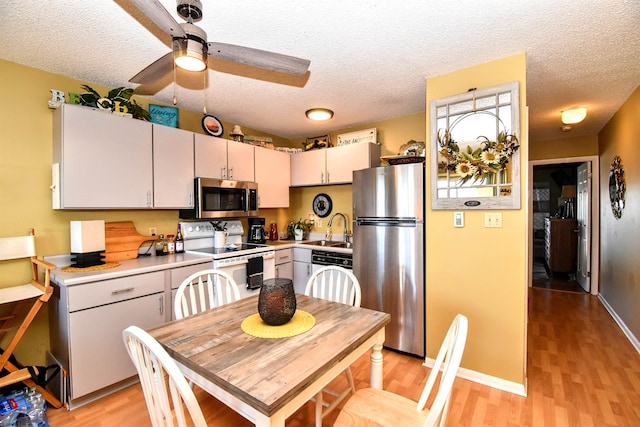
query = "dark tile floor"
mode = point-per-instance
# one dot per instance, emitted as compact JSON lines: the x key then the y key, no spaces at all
{"x":557,"y":281}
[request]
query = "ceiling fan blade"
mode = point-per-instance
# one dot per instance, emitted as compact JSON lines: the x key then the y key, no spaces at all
{"x":159,"y":15}
{"x":259,"y":58}
{"x":154,"y":71}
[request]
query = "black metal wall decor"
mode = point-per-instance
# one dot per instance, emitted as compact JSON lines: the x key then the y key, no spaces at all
{"x":617,"y":187}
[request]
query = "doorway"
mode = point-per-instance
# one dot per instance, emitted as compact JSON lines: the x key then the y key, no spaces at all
{"x":573,"y":215}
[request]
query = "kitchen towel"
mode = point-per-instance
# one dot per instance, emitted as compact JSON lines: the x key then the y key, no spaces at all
{"x":255,"y":268}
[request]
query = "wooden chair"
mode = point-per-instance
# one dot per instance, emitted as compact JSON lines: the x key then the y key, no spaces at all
{"x":373,"y":407}
{"x":29,"y":298}
{"x":204,"y":290}
{"x":339,"y":285}
{"x":163,"y":384}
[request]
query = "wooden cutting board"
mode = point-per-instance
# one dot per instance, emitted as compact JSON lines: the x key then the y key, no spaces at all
{"x":122,"y":241}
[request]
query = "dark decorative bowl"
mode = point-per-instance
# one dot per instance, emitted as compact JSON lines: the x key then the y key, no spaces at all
{"x":277,"y":301}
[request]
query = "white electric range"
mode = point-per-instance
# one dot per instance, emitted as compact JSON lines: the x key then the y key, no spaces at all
{"x":234,"y":258}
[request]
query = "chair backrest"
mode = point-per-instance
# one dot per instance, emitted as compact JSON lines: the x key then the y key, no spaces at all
{"x":204,"y":290}
{"x":336,"y":284}
{"x":448,"y":360}
{"x":18,"y":247}
{"x":163,"y":384}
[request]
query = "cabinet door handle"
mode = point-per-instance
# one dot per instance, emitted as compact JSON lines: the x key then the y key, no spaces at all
{"x":282,"y":258}
{"x":161,"y":304}
{"x":122,"y":291}
{"x":148,"y":199}
{"x":327,"y":177}
{"x":277,"y":272}
{"x":322,"y":177}
{"x":230,"y":173}
{"x":223,"y":173}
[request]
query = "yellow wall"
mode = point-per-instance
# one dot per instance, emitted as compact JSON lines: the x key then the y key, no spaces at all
{"x":477,"y":271}
{"x":619,"y":238}
{"x":565,"y":148}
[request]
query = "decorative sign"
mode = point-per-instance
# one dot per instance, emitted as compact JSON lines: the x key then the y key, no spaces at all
{"x":167,"y":116}
{"x":366,"y":135}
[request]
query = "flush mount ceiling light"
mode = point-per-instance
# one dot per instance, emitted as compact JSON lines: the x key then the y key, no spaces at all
{"x":191,"y":52}
{"x":573,"y":116}
{"x":319,"y":114}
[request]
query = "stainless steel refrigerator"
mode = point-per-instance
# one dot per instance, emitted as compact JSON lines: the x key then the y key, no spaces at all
{"x":388,"y":249}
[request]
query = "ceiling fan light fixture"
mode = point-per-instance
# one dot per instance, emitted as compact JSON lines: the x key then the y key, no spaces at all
{"x":574,"y":116}
{"x":319,"y":114}
{"x":191,"y":55}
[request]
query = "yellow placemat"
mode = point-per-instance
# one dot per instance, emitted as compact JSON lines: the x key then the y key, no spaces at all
{"x":69,"y":269}
{"x":299,"y":323}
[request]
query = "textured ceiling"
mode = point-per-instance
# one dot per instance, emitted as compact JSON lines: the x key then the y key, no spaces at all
{"x":369,"y":59}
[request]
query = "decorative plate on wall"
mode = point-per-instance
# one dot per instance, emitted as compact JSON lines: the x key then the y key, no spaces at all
{"x":322,"y":205}
{"x":212,"y":125}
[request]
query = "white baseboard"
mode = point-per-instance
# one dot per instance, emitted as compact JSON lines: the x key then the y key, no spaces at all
{"x":632,"y":338}
{"x":488,"y":380}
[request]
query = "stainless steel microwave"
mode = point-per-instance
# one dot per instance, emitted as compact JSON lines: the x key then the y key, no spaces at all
{"x":221,"y":198}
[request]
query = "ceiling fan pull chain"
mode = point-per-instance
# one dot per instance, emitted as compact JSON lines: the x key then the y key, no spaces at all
{"x":175,"y":100}
{"x":204,"y":92}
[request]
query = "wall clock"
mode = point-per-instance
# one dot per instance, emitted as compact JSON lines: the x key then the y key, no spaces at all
{"x":322,"y":205}
{"x":212,"y":125}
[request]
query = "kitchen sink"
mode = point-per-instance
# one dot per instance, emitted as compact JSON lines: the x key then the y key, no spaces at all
{"x":329,"y":243}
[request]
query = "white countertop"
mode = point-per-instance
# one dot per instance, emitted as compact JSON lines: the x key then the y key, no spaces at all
{"x":139,"y":265}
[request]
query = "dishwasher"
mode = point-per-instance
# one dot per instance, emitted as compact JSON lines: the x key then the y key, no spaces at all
{"x":322,"y":258}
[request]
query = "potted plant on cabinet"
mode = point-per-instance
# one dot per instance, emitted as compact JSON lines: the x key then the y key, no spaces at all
{"x":299,"y":228}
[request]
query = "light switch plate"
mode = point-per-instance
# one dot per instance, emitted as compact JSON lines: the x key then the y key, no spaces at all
{"x":458,"y":219}
{"x":493,"y":219}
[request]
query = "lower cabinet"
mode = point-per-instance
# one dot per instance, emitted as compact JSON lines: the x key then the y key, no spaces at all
{"x":284,"y":263}
{"x":86,"y":322}
{"x":301,"y":269}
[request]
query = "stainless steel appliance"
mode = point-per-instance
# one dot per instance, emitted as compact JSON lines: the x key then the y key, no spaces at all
{"x":388,"y":252}
{"x":320,"y":259}
{"x":237,"y":258}
{"x":257,"y":233}
{"x":221,"y":198}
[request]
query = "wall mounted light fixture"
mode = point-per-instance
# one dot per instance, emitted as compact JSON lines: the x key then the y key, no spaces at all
{"x":574,"y":116}
{"x":319,"y":114}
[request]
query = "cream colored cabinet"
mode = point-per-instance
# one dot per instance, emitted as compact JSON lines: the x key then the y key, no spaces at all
{"x":332,"y":165}
{"x":100,"y":160}
{"x":284,"y":263}
{"x":302,"y":269}
{"x":223,"y":159}
{"x":273,"y":175}
{"x":308,"y":168}
{"x":173,"y":168}
{"x":87,"y":320}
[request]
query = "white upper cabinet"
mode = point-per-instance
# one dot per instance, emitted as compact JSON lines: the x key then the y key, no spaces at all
{"x":332,"y":165}
{"x":173,"y":169}
{"x":104,"y":160}
{"x":223,"y":159}
{"x":273,"y":175}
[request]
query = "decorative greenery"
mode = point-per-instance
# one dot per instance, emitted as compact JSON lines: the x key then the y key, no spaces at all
{"x":219,"y":225}
{"x":118,"y":96}
{"x":301,"y":224}
{"x":479,"y":164}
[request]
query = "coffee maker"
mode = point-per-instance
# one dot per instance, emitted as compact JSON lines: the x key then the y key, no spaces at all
{"x":257,"y":233}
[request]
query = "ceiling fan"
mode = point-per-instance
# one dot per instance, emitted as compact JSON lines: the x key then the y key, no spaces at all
{"x":190,"y":47}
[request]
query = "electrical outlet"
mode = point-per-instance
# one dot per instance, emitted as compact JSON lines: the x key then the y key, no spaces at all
{"x":318,"y":222}
{"x":493,"y":219}
{"x":153,"y":231}
{"x":458,"y":219}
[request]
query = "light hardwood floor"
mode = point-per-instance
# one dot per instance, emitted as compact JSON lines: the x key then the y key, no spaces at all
{"x":582,"y":372}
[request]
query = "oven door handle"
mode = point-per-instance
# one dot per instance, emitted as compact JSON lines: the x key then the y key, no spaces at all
{"x":233,"y":264}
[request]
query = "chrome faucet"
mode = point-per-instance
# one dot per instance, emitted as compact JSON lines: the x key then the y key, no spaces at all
{"x":347,"y":237}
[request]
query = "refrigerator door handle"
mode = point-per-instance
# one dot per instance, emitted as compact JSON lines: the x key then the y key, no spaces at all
{"x":387,"y":222}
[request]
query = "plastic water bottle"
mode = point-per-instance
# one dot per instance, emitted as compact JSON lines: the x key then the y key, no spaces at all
{"x":25,"y":408}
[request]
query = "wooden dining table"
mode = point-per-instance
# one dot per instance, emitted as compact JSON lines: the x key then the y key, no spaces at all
{"x":267,"y":379}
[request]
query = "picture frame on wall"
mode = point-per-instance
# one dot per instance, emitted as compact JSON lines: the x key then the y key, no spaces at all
{"x":162,"y":115}
{"x":212,"y":125}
